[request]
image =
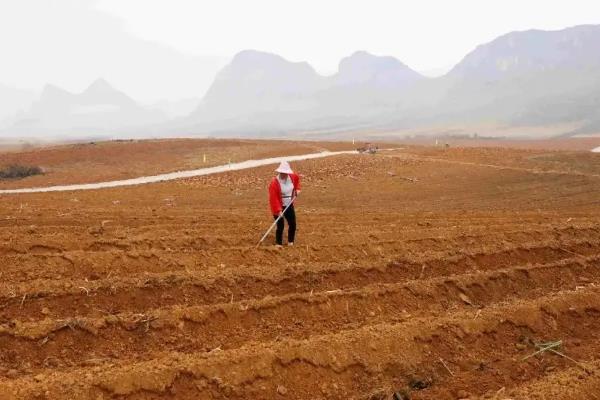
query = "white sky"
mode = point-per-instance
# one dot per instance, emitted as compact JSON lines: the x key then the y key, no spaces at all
{"x":154,"y":49}
{"x":425,"y":34}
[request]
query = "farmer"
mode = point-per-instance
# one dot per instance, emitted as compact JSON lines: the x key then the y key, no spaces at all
{"x":283,"y":190}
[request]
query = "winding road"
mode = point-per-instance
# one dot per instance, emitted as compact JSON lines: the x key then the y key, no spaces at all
{"x":176,"y":175}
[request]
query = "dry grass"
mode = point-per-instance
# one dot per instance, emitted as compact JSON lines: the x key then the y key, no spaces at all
{"x":18,"y":171}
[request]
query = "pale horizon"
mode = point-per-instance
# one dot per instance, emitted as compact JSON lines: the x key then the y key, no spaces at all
{"x":272,"y":67}
{"x":79,"y":41}
{"x":426,"y":35}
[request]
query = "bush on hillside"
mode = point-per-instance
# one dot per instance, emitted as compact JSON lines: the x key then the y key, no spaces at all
{"x":17,"y":171}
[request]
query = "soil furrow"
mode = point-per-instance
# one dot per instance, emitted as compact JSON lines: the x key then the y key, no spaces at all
{"x":567,"y":384}
{"x":348,"y":363}
{"x":298,"y":315}
{"x":219,"y":284}
{"x":190,"y":240}
{"x":95,"y":265}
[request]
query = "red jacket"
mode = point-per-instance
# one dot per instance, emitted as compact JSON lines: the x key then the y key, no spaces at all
{"x":275,"y":193}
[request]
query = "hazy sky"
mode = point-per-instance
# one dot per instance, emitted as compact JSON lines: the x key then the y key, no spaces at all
{"x":71,"y":43}
{"x":155,"y":49}
{"x":425,"y":34}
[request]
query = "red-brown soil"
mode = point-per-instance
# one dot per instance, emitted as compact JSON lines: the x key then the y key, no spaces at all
{"x":562,"y":144}
{"x":424,"y":273}
{"x":104,"y":161}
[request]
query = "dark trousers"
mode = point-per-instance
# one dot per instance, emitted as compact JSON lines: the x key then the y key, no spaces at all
{"x":290,"y":217}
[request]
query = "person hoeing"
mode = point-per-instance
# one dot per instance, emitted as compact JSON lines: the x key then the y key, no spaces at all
{"x":283,"y":190}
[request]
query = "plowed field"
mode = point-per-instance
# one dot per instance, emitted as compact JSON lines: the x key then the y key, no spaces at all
{"x":416,"y":274}
{"x":104,"y":161}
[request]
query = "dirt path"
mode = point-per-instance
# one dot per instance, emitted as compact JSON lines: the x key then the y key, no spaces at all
{"x":177,"y":175}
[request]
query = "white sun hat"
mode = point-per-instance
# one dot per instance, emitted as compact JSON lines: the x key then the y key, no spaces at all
{"x":284,"y":168}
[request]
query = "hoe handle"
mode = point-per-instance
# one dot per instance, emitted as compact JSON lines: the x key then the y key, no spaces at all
{"x":275,"y":223}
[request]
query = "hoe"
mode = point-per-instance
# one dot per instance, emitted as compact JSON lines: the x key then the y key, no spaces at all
{"x":275,"y":223}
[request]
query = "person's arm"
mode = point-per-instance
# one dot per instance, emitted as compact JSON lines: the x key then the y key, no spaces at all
{"x":275,"y":198}
{"x":296,"y":180}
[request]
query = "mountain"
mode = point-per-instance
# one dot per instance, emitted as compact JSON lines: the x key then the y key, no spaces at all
{"x":101,"y":92}
{"x":366,"y":85}
{"x":533,"y":51}
{"x":99,"y":109}
{"x":528,"y":78}
{"x":364,"y":69}
{"x":257,"y":82}
{"x":261,"y":90}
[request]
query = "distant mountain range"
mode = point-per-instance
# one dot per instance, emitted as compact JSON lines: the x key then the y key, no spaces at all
{"x":259,"y":91}
{"x":522,"y":79}
{"x":534,"y":51}
{"x":98,"y":110}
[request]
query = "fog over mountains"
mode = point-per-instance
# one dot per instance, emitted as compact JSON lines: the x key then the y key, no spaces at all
{"x":521,"y":79}
{"x":12,"y":102}
{"x":98,"y":110}
{"x":531,"y":77}
{"x":259,"y":91}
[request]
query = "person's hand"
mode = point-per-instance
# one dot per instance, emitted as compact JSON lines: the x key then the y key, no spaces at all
{"x":280,"y":213}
